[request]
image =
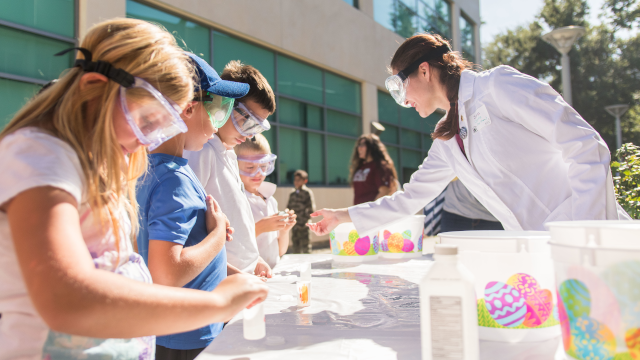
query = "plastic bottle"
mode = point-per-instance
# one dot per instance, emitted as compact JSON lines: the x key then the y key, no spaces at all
{"x":448,"y":310}
{"x":253,"y":323}
{"x":305,"y":271}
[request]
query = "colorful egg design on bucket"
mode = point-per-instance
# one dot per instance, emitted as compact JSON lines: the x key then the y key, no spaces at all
{"x":349,"y":248}
{"x":334,"y":243}
{"x":505,"y":304}
{"x":362,"y":245}
{"x":576,"y":298}
{"x":632,"y":339}
{"x":420,"y":242}
{"x":408,"y":244}
{"x":623,"y":279}
{"x":591,"y":339}
{"x":395,"y":243}
{"x":539,"y":302}
{"x":353,"y":236}
{"x":375,"y":244}
{"x":565,"y":326}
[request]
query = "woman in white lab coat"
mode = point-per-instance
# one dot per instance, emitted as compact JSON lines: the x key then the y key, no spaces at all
{"x":511,"y":139}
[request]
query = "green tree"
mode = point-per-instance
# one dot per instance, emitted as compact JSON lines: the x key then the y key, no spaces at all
{"x":605,"y":69}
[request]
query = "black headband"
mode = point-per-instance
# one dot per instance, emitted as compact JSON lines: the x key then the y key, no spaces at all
{"x":101,"y":67}
{"x":435,"y":53}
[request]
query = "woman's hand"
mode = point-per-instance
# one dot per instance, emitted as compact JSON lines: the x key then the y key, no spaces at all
{"x":331,"y":219}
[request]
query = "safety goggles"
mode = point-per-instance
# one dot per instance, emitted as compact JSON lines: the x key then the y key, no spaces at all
{"x":259,"y":164}
{"x":218,"y":107}
{"x":397,"y":84}
{"x":153,"y":117}
{"x":247,"y":123}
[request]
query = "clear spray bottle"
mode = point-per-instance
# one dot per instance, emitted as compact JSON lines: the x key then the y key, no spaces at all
{"x":448,"y":310}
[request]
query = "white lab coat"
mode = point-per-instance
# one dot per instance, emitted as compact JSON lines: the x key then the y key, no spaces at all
{"x":534,"y":160}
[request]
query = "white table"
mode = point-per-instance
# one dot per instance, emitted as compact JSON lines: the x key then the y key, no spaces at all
{"x":358,"y":311}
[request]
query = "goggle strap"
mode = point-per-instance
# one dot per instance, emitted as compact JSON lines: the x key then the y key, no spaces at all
{"x":436,"y":53}
{"x":207,"y":97}
{"x":101,"y":67}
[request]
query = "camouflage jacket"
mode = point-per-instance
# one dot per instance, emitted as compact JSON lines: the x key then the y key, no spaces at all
{"x":302,"y":202}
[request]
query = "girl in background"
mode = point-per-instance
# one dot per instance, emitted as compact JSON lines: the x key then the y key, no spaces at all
{"x":71,"y":285}
{"x":372,"y":172}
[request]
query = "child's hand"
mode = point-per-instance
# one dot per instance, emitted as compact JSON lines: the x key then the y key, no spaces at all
{"x":262,"y":268}
{"x":271,"y":223}
{"x":291,"y":221}
{"x":241,"y":291}
{"x":215,"y":217}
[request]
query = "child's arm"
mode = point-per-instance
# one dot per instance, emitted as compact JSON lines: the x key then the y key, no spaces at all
{"x":74,"y":297}
{"x":172,"y":264}
{"x":270,"y":223}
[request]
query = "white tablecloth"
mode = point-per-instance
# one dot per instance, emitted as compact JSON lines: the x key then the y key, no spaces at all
{"x":358,"y":311}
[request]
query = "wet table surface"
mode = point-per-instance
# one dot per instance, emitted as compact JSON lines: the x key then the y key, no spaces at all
{"x":358,"y":311}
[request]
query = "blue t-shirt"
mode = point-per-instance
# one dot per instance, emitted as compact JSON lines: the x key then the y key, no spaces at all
{"x":172,"y":208}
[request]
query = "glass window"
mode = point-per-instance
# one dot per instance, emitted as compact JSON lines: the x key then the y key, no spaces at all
{"x":467,"y":39}
{"x":270,"y":135}
{"x":403,"y":20}
{"x":300,"y":80}
{"x":390,"y":134}
{"x":339,"y":153}
{"x":341,"y":123}
{"x":55,"y":16}
{"x":342,"y":93}
{"x":190,"y":36}
{"x":435,"y":16}
{"x":426,"y":142}
{"x":13,"y":95}
{"x":393,"y":153}
{"x":227,"y":48}
{"x":387,"y":108}
{"x":383,"y":13}
{"x":410,"y":118}
{"x":299,"y":114}
{"x":431,"y":121}
{"x":410,"y":162}
{"x":30,"y":55}
{"x":353,"y":3}
{"x":410,"y":139}
{"x":300,"y":150}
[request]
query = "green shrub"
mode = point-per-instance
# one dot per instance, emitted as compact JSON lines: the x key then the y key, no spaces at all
{"x":626,"y":178}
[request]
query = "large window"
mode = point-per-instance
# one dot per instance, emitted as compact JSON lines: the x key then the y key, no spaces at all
{"x":31,"y":32}
{"x":407,"y":17}
{"x":407,"y":136}
{"x":318,"y":116}
{"x":467,"y":38}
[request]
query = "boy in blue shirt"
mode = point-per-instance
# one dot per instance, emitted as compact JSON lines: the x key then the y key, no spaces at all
{"x":182,"y":230}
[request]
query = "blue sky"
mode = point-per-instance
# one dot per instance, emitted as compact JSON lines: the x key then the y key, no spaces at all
{"x":500,"y":15}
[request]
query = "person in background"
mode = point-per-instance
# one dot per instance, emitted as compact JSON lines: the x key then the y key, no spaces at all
{"x":461,"y":211}
{"x":71,"y":285}
{"x":302,"y":203}
{"x":372,"y":173}
{"x":182,"y":230}
{"x":256,"y":162}
{"x":216,"y":165}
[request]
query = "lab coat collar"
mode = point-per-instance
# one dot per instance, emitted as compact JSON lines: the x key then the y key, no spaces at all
{"x":217,"y":144}
{"x":467,"y":78}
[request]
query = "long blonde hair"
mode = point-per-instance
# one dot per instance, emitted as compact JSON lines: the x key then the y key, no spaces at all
{"x":145,"y":51}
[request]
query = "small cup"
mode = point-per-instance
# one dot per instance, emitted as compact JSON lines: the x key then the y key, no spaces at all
{"x":254,"y":326}
{"x":304,"y":293}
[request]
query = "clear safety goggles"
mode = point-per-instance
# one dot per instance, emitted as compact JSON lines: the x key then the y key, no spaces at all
{"x":263,"y":164}
{"x":218,"y":107}
{"x":247,"y":123}
{"x":397,"y":84}
{"x":153,"y":117}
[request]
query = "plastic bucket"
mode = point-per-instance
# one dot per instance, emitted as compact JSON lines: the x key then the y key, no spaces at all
{"x":348,"y":246}
{"x":597,"y":269}
{"x":514,"y":283}
{"x":402,"y":238}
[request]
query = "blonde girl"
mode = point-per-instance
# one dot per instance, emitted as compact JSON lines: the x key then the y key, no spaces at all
{"x":71,"y":285}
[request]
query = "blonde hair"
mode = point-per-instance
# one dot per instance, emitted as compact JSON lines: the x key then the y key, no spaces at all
{"x":145,"y":51}
{"x":259,"y":146}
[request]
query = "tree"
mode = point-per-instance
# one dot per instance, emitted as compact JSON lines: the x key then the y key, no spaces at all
{"x":605,"y":69}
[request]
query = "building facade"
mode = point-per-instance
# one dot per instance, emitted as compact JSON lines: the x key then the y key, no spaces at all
{"x":325,"y":59}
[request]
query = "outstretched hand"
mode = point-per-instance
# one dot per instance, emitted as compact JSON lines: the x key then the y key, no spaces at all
{"x":331,"y":219}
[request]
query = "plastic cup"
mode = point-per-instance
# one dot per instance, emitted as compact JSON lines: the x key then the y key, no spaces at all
{"x":254,"y":326}
{"x":304,"y":293}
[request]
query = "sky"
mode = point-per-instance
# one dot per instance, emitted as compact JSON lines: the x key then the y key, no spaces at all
{"x":500,"y":15}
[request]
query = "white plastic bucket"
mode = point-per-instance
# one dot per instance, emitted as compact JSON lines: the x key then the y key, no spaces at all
{"x":597,"y":269}
{"x":514,"y":283}
{"x":402,"y":238}
{"x":348,"y":246}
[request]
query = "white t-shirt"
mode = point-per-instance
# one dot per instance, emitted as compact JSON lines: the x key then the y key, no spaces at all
{"x":217,"y":169}
{"x":32,"y":158}
{"x":267,"y":242}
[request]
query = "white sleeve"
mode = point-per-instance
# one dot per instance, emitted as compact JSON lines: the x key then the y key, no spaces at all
{"x":425,"y":185}
{"x":202,"y":163}
{"x":536,"y":106}
{"x":30,"y":158}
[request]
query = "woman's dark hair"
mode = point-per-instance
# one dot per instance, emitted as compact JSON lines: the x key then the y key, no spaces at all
{"x":378,"y":153}
{"x":449,"y":69}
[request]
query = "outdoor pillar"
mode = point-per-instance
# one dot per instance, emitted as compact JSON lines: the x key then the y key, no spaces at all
{"x":455,"y":27}
{"x":91,"y":12}
{"x":369,"y":106}
{"x":566,"y":78}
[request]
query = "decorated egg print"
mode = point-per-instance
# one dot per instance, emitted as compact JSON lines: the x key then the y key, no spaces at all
{"x":408,"y":245}
{"x":576,"y":298}
{"x":420,"y":242}
{"x":395,"y":242}
{"x":624,"y":281}
{"x":349,"y":248}
{"x":539,"y":308}
{"x":387,"y":234}
{"x":384,"y":247}
{"x":632,"y":339}
{"x":375,"y":244}
{"x":505,"y":304}
{"x":362,"y":245}
{"x":591,"y":339}
{"x":334,"y":243}
{"x":565,"y":326}
{"x":406,"y":234}
{"x":353,"y":236}
{"x":524,"y":283}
